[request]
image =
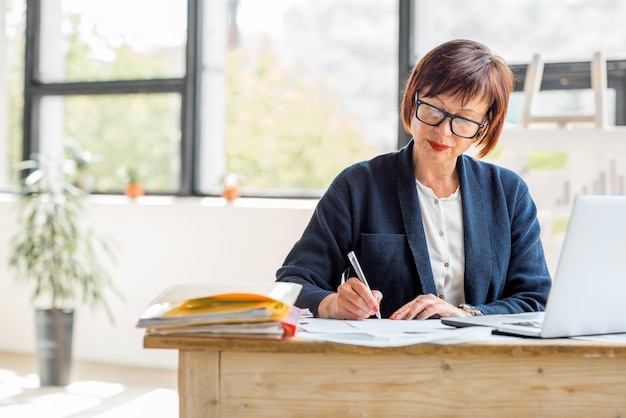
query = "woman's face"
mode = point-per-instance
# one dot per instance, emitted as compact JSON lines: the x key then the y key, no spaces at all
{"x":439,"y":143}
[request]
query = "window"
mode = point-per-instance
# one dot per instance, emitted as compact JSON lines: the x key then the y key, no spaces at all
{"x":311,"y":88}
{"x":282,"y":93}
{"x":116,"y":86}
{"x":566,"y":33}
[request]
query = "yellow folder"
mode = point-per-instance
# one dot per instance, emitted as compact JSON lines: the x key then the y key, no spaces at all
{"x":215,"y":304}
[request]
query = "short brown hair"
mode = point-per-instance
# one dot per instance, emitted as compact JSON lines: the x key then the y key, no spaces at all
{"x":465,"y":69}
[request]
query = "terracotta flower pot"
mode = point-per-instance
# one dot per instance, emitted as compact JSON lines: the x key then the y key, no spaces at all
{"x":134,"y":190}
{"x":231,"y":193}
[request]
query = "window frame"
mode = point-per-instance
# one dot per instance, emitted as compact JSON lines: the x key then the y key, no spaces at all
{"x":188,"y":87}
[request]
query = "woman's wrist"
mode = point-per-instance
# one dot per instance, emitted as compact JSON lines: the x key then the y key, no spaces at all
{"x":326,"y":308}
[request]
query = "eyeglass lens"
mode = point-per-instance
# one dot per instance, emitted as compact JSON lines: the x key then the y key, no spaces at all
{"x":433,"y":116}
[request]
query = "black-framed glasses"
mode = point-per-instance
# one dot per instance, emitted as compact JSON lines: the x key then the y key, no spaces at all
{"x":433,"y":116}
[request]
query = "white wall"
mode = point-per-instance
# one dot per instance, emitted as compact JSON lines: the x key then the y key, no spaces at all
{"x":595,"y":164}
{"x":162,"y":241}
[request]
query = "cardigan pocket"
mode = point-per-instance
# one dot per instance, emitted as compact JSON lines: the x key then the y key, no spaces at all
{"x":384,"y":258}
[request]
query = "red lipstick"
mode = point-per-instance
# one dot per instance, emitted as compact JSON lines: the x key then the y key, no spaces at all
{"x":436,"y":146}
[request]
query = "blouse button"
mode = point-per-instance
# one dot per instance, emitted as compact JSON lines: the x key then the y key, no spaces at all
{"x":436,"y":201}
{"x":446,"y":264}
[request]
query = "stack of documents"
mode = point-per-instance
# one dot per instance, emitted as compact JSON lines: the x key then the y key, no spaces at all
{"x":226,"y":310}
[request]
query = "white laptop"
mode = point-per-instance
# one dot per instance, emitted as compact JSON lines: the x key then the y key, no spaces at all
{"x":588,"y":294}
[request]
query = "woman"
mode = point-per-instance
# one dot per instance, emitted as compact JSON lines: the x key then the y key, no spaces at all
{"x":437,"y":232}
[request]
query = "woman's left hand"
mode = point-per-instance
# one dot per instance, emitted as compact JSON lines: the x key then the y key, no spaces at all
{"x":425,"y":307}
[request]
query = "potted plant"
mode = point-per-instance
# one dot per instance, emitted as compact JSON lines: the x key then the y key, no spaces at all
{"x":56,"y":254}
{"x":231,"y":183}
{"x":132,"y":178}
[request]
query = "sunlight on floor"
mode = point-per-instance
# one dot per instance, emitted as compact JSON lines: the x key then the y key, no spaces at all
{"x":22,"y":397}
{"x":159,"y":402}
{"x":92,"y":388}
{"x":57,"y":405}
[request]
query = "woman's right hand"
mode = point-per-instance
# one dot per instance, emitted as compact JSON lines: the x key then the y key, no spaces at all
{"x":353,"y":300}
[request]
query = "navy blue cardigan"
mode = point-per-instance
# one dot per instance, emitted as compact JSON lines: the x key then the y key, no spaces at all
{"x":372,"y":208}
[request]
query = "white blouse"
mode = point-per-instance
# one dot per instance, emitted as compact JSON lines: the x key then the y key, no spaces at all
{"x":443,"y":225}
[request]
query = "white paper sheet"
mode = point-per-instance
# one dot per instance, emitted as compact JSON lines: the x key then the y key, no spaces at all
{"x":388,"y":333}
{"x":371,"y":326}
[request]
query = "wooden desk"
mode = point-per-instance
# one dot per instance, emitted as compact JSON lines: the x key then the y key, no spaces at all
{"x":299,"y":378}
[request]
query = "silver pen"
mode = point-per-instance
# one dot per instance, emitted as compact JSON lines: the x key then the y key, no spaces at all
{"x":359,"y":274}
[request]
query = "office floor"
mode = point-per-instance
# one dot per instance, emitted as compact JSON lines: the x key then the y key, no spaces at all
{"x":95,"y":391}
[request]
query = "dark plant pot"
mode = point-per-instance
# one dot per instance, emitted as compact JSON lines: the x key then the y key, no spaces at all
{"x":54,"y":345}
